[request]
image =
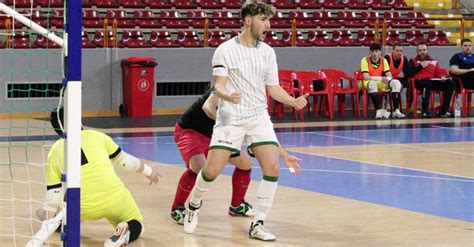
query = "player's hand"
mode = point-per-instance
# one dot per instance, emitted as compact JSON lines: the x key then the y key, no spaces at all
{"x":300,"y":102}
{"x":235,"y":97}
{"x":292,"y":163}
{"x":154,"y":176}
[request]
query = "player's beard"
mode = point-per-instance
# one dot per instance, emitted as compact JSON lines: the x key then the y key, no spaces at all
{"x":255,"y":34}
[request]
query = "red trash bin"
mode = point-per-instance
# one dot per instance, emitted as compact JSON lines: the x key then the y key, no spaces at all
{"x":138,"y":80}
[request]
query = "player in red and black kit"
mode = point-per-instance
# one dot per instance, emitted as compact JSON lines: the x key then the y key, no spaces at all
{"x":192,"y":135}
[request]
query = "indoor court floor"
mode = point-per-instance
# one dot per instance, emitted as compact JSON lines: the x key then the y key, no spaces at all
{"x":364,"y":183}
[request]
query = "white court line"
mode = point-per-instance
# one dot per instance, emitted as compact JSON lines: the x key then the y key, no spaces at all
{"x":399,"y":144}
{"x":452,"y":128}
{"x":379,"y":164}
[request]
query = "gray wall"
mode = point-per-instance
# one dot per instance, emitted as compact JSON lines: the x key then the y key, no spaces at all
{"x":102,"y":76}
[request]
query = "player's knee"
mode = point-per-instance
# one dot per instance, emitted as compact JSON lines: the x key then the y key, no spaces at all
{"x":395,"y":85}
{"x":373,"y":87}
{"x":273,"y":169}
{"x":136,"y":228}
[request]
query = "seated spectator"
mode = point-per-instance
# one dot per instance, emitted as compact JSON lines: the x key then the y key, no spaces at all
{"x":377,"y":77}
{"x":462,"y":64}
{"x":397,"y":63}
{"x":428,"y":75}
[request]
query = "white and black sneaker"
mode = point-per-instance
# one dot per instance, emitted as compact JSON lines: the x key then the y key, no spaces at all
{"x":258,"y":231}
{"x":177,"y":214}
{"x":191,"y":218}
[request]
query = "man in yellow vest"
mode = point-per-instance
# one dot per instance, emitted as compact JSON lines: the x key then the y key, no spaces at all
{"x":397,"y":63}
{"x":377,"y":78}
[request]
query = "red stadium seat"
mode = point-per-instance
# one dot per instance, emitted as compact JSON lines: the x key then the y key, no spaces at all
{"x":174,"y":19}
{"x":279,"y":21}
{"x":159,"y":4}
{"x":369,"y":18}
{"x":37,"y":16}
{"x":131,"y":3}
{"x":319,"y":38}
{"x":439,"y":38}
{"x":231,"y":4}
{"x":162,"y":39}
{"x":216,"y":38}
{"x":105,"y":3}
{"x":466,"y":97}
{"x":50,"y":3}
{"x":209,"y":4}
{"x":377,"y":5}
{"x":326,"y":20}
{"x":189,"y":39}
{"x":303,"y":20}
{"x":413,"y":37}
{"x":22,"y":41}
{"x":146,"y":19}
{"x":393,"y":36}
{"x":283,"y":4}
{"x":271,"y":38}
{"x":308,"y":4}
{"x":344,"y":38}
{"x":123,"y":21}
{"x":134,"y":39}
{"x":300,"y":41}
{"x":86,"y":42}
{"x":399,"y":5}
{"x":43,"y":42}
{"x":417,"y":19}
{"x":365,"y":37}
{"x":234,"y":33}
{"x":22,"y":3}
{"x":391,"y":17}
{"x":99,"y":39}
{"x":331,"y":4}
{"x":57,"y":18}
{"x":198,"y":23}
{"x":225,"y":19}
{"x":91,"y":19}
{"x":86,"y":3}
{"x":354,"y":4}
{"x":183,"y":4}
{"x":348,"y":19}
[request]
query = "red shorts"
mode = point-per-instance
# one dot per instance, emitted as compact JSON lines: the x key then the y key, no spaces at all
{"x":190,"y":143}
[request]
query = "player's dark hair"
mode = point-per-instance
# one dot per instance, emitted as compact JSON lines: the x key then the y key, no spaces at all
{"x":253,"y":8}
{"x":375,"y":46}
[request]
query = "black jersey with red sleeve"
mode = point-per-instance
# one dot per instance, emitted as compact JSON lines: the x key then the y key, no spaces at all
{"x":196,"y":119}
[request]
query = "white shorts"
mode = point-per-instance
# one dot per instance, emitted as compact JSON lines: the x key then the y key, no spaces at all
{"x":256,"y":132}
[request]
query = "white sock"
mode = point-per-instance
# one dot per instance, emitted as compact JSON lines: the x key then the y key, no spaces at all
{"x":266,"y":192}
{"x":200,"y":188}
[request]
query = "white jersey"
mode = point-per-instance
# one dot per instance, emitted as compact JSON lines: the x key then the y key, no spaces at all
{"x":248,"y":70}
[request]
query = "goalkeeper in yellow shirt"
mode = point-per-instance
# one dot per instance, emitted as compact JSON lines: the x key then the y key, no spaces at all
{"x":103,"y":195}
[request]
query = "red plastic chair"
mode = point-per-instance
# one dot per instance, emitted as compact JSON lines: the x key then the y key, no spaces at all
{"x":325,"y":19}
{"x":399,"y":5}
{"x":279,"y":21}
{"x":417,"y":93}
{"x":231,"y":4}
{"x":368,"y":18}
{"x":413,"y":37}
{"x":50,"y":3}
{"x":348,"y":19}
{"x":197,"y":19}
{"x":91,"y":19}
{"x":22,"y":41}
{"x":287,"y":82}
{"x":271,"y":39}
{"x":57,"y":18}
{"x":331,"y":4}
{"x":384,"y":95}
{"x":366,"y":37}
{"x":107,"y":4}
{"x":123,"y":21}
{"x":99,"y":39}
{"x":134,"y":39}
{"x":283,"y":4}
{"x":466,"y":97}
{"x":377,"y":5}
{"x":173,"y":19}
{"x":132,"y":3}
{"x":45,"y":43}
{"x":159,"y":4}
{"x":183,"y":4}
{"x":337,"y":78}
{"x":303,"y":20}
{"x":417,"y":19}
{"x":306,"y":86}
{"x":392,"y":20}
{"x":344,"y":38}
{"x":225,"y":19}
{"x":439,"y":38}
{"x":209,"y":4}
{"x":393,"y":36}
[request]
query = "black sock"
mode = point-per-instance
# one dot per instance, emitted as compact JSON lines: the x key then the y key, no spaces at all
{"x":375,"y":100}
{"x":135,"y":228}
{"x":396,"y":100}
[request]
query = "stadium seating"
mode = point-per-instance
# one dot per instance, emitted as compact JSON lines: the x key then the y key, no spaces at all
{"x":366,"y":37}
{"x":439,"y":38}
{"x":303,"y":20}
{"x":331,"y":4}
{"x":319,"y":38}
{"x":100,"y":39}
{"x":300,"y":41}
{"x":86,"y":42}
{"x":279,"y":21}
{"x":189,"y":38}
{"x":399,"y":5}
{"x":50,"y":3}
{"x":215,"y":38}
{"x":146,"y":19}
{"x":91,"y":19}
{"x":225,"y":19}
{"x":107,"y":4}
{"x":22,"y":41}
{"x":231,"y":4}
{"x":173,"y":19}
{"x":307,"y":4}
{"x":341,"y":85}
{"x":183,"y":4}
{"x":348,"y":19}
{"x":43,"y":42}
{"x":209,"y":4}
{"x":393,"y":36}
{"x":271,"y":38}
{"x":57,"y":18}
{"x":354,"y":4}
{"x":159,"y":4}
{"x":377,"y":5}
{"x":134,"y":39}
{"x":193,"y":20}
{"x":416,"y":19}
{"x":413,"y":37}
{"x":283,"y":4}
{"x":324,"y":19}
{"x":162,"y":39}
{"x":391,"y":17}
{"x":306,"y":81}
{"x":123,"y":21}
{"x":131,"y":3}
{"x":344,"y":38}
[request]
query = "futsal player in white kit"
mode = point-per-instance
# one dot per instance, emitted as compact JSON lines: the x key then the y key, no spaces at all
{"x":243,"y":69}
